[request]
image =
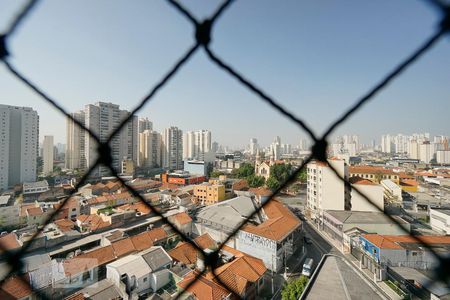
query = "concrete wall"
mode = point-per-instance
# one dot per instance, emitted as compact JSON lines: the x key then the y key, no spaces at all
{"x":373,"y":192}
{"x":440,"y":221}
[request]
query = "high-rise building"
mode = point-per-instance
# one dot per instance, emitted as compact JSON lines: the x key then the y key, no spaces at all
{"x":48,"y":154}
{"x":144,"y":124}
{"x":196,"y":144}
{"x":325,"y":191}
{"x":303,"y":145}
{"x":253,"y":146}
{"x":75,"y":155}
{"x":149,"y":149}
{"x":19,"y":142}
{"x":102,"y":119}
{"x":427,"y":152}
{"x":172,"y":149}
{"x":387,"y":145}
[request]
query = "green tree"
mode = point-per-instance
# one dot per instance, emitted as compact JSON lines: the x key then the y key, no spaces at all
{"x":294,"y":289}
{"x":302,"y":176}
{"x":215,"y":174}
{"x":272,"y":183}
{"x":244,"y":171}
{"x":255,"y":181}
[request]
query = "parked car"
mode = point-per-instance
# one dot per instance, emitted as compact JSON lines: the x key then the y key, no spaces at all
{"x":308,"y":267}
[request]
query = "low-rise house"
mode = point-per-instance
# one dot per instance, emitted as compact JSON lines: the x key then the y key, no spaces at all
{"x":207,"y":193}
{"x":9,"y":212}
{"x":104,"y":289}
{"x":9,"y":242}
{"x":16,"y":287}
{"x":344,"y":227}
{"x":201,"y":287}
{"x":32,"y":190}
{"x":183,"y":222}
{"x":381,"y":251}
{"x":440,"y":220}
{"x":141,"y":273}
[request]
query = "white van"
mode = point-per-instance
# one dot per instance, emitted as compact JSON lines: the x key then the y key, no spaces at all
{"x":308,"y":267}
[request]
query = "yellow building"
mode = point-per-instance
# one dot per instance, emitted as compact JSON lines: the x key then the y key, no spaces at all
{"x":208,"y":193}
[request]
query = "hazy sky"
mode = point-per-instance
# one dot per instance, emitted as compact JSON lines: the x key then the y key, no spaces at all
{"x":316,"y":57}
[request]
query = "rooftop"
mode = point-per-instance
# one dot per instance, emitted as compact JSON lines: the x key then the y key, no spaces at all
{"x":37,"y":184}
{"x":363,"y":217}
{"x":402,"y":241}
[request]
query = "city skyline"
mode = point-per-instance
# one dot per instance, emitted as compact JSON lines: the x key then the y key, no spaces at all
{"x":306,"y":78}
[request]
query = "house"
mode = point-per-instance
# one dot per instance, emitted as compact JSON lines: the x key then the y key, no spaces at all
{"x":201,"y":287}
{"x":16,"y":287}
{"x":141,"y":273}
{"x":183,"y":222}
{"x":380,"y":251}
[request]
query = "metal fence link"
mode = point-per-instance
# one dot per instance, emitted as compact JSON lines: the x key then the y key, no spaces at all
{"x":202,"y":40}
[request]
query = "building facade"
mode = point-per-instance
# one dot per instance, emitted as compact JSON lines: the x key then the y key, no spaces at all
{"x":75,"y":155}
{"x":19,"y":143}
{"x":196,"y":144}
{"x":150,"y":149}
{"x":172,"y":149}
{"x":48,"y":154}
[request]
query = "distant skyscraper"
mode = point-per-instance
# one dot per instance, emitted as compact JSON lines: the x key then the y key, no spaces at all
{"x":102,"y":119}
{"x":215,"y":147}
{"x":303,"y":145}
{"x":19,"y":142}
{"x":387,"y":145}
{"x":172,"y":148}
{"x":75,"y":155}
{"x":149,"y":149}
{"x":196,"y":144}
{"x":48,"y":154}
{"x":253,"y":146}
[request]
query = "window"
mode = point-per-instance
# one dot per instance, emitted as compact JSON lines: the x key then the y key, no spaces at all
{"x":145,"y":279}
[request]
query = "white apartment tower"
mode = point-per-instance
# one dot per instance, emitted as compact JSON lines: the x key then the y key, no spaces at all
{"x":253,"y":146}
{"x":387,"y":145}
{"x":19,"y":142}
{"x":172,"y":149}
{"x":102,"y":119}
{"x":47,"y":154}
{"x":196,"y":144}
{"x":325,"y":191}
{"x":150,"y":149}
{"x":75,"y":155}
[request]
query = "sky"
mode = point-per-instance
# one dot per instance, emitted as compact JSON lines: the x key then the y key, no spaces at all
{"x":315,"y":57}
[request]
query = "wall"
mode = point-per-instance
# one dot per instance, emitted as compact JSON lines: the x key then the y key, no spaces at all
{"x":373,"y":192}
{"x":440,"y":221}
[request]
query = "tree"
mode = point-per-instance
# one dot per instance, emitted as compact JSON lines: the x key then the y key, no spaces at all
{"x":294,"y":289}
{"x":255,"y":181}
{"x":302,"y":176}
{"x":272,"y":183}
{"x":244,"y":171}
{"x":215,"y":174}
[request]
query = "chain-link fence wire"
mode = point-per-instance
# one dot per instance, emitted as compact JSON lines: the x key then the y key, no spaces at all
{"x":202,"y":40}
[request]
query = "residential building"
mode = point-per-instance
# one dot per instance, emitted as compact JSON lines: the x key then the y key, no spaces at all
{"x":443,"y":156}
{"x":273,"y":235}
{"x":440,"y":220}
{"x":19,"y":145}
{"x":75,"y":157}
{"x":196,"y":144}
{"x":183,"y":222}
{"x":208,"y":194}
{"x":325,"y":191}
{"x":172,"y":149}
{"x":427,"y":152}
{"x":142,"y":273}
{"x":144,"y":124}
{"x":392,"y":192}
{"x":47,"y":154}
{"x":182,"y":178}
{"x":387,"y":144}
{"x":371,"y":190}
{"x":9,"y":212}
{"x":150,"y":149}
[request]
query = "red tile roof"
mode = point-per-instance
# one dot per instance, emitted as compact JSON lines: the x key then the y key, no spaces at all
{"x":141,"y":241}
{"x":15,"y":287}
{"x":205,"y":242}
{"x":157,"y":234}
{"x":203,"y":288}
{"x":34,"y":211}
{"x":89,"y":260}
{"x":9,"y":242}
{"x":185,"y":253}
{"x":64,"y":225}
{"x":181,"y":218}
{"x":359,"y":180}
{"x":123,"y":247}
{"x":395,"y":241}
{"x":281,"y":222}
{"x":370,"y":170}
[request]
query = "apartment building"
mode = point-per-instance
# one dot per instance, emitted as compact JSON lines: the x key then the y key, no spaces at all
{"x":208,"y":194}
{"x":47,"y":154}
{"x":325,"y":191}
{"x":373,"y":191}
{"x":101,"y":118}
{"x":196,"y":144}
{"x":150,"y":149}
{"x":75,"y":157}
{"x":19,"y":143}
{"x":172,"y":149}
{"x":374,"y":173}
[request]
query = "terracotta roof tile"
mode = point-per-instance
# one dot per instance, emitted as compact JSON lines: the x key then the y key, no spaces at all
{"x":141,"y":241}
{"x":15,"y":287}
{"x":9,"y":242}
{"x":157,"y":234}
{"x":205,"y":242}
{"x":123,"y":247}
{"x":34,"y":211}
{"x":181,"y":218}
{"x":89,"y":260}
{"x":395,"y":241}
{"x":360,"y":180}
{"x":203,"y":288}
{"x":185,"y":253}
{"x":64,"y":225}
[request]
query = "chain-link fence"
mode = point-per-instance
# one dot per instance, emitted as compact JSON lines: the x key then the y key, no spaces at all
{"x":202,"y":40}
